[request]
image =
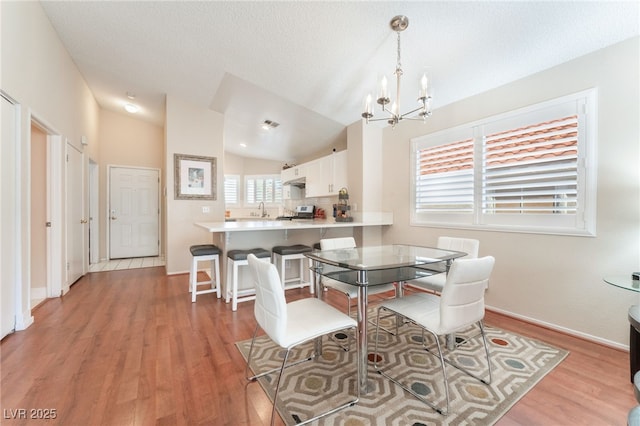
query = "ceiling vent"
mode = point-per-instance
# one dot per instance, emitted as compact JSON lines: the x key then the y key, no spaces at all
{"x":268,"y":124}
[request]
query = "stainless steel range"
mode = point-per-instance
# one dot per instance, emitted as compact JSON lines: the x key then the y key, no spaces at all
{"x":302,"y":212}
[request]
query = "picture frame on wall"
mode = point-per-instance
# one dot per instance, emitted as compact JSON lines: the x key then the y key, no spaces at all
{"x":194,"y":177}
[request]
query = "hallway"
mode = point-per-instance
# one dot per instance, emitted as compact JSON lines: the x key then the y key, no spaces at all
{"x":133,"y":263}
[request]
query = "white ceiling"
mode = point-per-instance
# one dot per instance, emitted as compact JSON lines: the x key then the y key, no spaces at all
{"x":309,"y":65}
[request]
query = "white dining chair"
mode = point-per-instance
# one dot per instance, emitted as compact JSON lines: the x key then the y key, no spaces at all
{"x":460,"y":306}
{"x":435,"y":282}
{"x":290,"y":324}
{"x":348,"y":290}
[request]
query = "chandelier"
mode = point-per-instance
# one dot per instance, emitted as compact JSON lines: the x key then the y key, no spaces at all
{"x":398,"y":24}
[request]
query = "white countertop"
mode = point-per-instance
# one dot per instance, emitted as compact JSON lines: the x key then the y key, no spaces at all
{"x":274,"y":225}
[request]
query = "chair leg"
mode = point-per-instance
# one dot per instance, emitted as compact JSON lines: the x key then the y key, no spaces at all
{"x":228,"y":282}
{"x":486,"y":349}
{"x":403,"y":386}
{"x":234,"y":288}
{"x":273,"y":370}
{"x":275,"y":395}
{"x":283,"y":265}
{"x":246,"y":371}
{"x":444,"y":373}
{"x":466,"y":371}
{"x":193,"y":279}
{"x":312,"y":285}
{"x":281,"y":369}
{"x":216,"y":264}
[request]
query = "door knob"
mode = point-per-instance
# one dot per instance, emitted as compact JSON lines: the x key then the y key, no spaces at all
{"x":113,"y":218}
{"x":83,"y":221}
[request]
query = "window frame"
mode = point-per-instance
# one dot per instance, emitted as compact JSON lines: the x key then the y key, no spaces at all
{"x":277,"y":190}
{"x":583,"y":223}
{"x":238,"y":185}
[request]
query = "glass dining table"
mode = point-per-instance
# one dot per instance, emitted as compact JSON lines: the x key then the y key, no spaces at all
{"x":376,"y":265}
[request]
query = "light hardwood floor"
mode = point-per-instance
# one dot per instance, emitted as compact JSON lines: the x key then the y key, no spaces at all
{"x":129,"y":348}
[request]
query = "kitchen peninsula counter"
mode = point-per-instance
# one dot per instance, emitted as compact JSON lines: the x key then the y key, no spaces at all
{"x":281,"y":225}
{"x":247,"y":234}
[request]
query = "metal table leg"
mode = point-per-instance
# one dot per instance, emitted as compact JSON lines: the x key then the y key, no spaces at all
{"x":362,"y":331}
{"x":319,"y":295}
{"x":450,"y":338}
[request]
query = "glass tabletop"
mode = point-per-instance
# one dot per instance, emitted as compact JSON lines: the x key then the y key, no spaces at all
{"x":375,"y":277}
{"x":383,"y":257}
{"x":623,"y":281}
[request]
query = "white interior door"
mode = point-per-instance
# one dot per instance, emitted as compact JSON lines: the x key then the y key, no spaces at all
{"x":9,"y":246}
{"x":134,"y":212}
{"x":94,"y":217}
{"x":76,"y":222}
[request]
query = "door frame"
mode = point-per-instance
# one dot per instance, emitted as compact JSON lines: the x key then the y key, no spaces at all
{"x":54,"y":189}
{"x":11,"y":205}
{"x":94,"y":212}
{"x":108,"y":205}
{"x":69,"y":281}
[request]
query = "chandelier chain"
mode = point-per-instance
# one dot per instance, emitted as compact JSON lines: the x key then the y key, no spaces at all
{"x":399,"y":62}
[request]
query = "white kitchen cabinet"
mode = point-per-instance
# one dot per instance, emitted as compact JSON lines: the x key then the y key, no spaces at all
{"x":294,"y":173}
{"x":325,"y":176}
{"x":291,"y":192}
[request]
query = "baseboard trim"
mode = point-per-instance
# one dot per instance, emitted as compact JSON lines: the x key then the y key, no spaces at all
{"x":23,"y":321}
{"x":39,"y":293}
{"x":560,"y":329}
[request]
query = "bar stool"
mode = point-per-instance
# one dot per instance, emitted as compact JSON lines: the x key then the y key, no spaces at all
{"x":235,"y":259}
{"x":202,"y":253}
{"x":295,"y":252}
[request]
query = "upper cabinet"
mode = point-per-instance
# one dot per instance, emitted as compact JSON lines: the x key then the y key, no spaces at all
{"x":292,"y":174}
{"x":325,"y":176}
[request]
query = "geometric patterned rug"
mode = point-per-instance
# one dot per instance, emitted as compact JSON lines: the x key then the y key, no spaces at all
{"x":518,"y":363}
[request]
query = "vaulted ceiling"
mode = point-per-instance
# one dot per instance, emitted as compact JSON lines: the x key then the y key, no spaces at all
{"x":308,"y":65}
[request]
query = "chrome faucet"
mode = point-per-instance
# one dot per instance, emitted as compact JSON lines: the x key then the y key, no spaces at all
{"x":261,"y":207}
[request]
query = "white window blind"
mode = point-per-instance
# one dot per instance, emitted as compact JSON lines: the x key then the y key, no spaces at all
{"x":263,"y":189}
{"x":444,"y":182}
{"x":532,"y":169}
{"x":231,"y":189}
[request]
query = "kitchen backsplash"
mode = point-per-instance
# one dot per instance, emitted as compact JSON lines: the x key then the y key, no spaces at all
{"x":288,"y":208}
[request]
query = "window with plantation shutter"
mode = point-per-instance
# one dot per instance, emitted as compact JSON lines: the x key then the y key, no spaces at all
{"x":263,"y":189}
{"x":444,"y":182}
{"x":530,"y":170}
{"x":231,"y":190}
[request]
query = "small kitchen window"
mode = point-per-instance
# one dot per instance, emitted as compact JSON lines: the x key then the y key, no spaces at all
{"x":530,"y":170}
{"x":265,"y":189}
{"x":231,"y":190}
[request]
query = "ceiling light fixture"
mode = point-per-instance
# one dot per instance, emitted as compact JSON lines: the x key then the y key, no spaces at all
{"x":131,"y":108}
{"x":398,"y":24}
{"x":268,"y":124}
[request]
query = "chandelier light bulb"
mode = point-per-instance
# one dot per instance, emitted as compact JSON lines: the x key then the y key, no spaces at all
{"x":368,"y":108}
{"x":423,"y":87}
{"x":383,"y":98}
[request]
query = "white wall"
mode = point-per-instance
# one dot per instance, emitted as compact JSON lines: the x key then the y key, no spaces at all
{"x":38,"y":72}
{"x":125,"y":141}
{"x":193,"y":131}
{"x":549,"y":278}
